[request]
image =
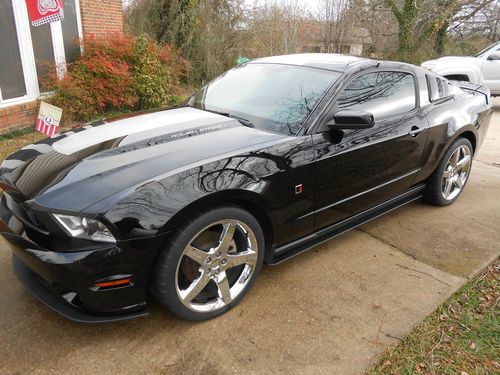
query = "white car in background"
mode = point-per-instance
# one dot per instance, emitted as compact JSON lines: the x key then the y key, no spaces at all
{"x":483,"y":68}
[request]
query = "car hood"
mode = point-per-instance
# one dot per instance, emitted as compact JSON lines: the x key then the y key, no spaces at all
{"x":74,"y":170}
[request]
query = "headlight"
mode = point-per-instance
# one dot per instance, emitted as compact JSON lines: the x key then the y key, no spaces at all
{"x":85,"y":228}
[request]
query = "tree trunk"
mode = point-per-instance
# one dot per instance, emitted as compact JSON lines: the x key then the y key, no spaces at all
{"x":441,"y":36}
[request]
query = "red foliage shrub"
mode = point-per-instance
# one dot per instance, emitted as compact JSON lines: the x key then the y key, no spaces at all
{"x":172,"y":56}
{"x":119,"y":72}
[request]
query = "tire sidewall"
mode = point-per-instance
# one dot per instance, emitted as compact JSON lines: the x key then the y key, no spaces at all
{"x":441,"y":168}
{"x":163,"y":285}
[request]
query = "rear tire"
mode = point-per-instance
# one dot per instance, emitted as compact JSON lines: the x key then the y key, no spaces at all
{"x":209,"y":263}
{"x":448,"y":180}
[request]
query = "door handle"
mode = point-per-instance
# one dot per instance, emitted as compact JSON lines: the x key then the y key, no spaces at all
{"x":415,"y":130}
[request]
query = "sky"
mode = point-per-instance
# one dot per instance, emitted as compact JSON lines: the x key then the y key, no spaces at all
{"x":310,"y":4}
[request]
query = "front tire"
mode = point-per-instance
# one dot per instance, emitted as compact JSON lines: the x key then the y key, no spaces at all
{"x":209,"y":263}
{"x":448,"y":181}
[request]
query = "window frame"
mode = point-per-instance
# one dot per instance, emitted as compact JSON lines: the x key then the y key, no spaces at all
{"x":27,"y":56}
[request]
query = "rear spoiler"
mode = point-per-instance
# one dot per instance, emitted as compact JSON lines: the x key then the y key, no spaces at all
{"x":474,"y":87}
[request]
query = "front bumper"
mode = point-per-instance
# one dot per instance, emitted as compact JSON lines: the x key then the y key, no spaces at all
{"x":66,"y":281}
{"x":33,"y":284}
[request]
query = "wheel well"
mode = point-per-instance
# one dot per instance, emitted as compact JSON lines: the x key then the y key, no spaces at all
{"x":458,"y":77}
{"x":264,"y":221}
{"x":471,"y":137}
{"x":217,"y":200}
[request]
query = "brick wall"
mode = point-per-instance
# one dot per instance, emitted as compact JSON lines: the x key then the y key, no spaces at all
{"x":101,"y":17}
{"x":18,"y":116}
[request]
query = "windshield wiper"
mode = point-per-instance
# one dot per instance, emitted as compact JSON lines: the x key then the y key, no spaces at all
{"x":242,"y":120}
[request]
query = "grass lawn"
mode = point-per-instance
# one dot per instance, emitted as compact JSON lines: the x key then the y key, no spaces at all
{"x":17,"y":139}
{"x":461,"y":337}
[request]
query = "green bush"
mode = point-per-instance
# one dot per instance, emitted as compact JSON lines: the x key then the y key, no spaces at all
{"x":151,"y":77}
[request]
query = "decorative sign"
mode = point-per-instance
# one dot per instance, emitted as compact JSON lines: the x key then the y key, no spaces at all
{"x":48,"y":119}
{"x":45,"y":11}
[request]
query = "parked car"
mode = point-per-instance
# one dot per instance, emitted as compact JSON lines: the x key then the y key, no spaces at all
{"x":483,"y":68}
{"x":268,"y":160}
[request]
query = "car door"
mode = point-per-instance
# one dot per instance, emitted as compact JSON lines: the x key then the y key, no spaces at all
{"x":491,"y":71}
{"x":359,"y":168}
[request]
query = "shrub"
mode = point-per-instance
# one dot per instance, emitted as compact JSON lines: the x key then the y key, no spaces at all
{"x":151,"y":76}
{"x":118,"y":73}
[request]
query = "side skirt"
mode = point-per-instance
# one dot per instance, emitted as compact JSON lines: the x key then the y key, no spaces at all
{"x":297,"y":247}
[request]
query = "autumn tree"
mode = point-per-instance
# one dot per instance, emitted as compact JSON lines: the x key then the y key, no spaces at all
{"x":206,"y":31}
{"x":276,"y":27}
{"x":421,"y":20}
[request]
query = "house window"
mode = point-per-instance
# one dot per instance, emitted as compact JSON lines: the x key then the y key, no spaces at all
{"x":70,"y":30}
{"x":41,"y":38}
{"x":28,"y":52}
{"x":11,"y":71}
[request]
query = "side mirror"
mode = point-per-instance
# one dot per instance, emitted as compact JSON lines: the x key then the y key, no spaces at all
{"x":351,"y":119}
{"x":494,"y":56}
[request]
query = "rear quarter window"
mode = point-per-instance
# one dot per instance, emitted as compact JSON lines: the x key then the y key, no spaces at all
{"x":440,"y":88}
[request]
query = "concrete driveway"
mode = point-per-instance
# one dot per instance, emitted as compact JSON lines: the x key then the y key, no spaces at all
{"x":332,"y":310}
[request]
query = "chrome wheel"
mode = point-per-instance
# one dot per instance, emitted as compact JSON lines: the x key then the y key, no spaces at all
{"x":216,"y":265}
{"x":456,"y":172}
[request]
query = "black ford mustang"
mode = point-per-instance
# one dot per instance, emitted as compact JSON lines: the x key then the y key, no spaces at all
{"x":271,"y":158}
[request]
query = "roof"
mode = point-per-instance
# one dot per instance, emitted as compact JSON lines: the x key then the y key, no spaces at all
{"x":331,"y":61}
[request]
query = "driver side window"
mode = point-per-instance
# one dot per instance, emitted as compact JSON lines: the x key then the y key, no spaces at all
{"x":380,"y":93}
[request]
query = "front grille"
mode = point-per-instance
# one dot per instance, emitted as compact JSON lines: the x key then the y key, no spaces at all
{"x":25,"y":216}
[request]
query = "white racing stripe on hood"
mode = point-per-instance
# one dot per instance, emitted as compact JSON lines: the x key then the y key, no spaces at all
{"x":175,"y":119}
{"x":40,"y":147}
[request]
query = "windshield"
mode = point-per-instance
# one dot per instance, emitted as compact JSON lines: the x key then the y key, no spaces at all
{"x":271,"y":97}
{"x":480,"y":53}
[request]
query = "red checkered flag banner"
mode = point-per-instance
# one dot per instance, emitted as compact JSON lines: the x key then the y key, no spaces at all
{"x":45,"y":11}
{"x":48,"y":119}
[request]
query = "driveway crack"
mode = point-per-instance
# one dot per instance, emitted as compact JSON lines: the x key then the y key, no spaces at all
{"x":404,"y":252}
{"x":423,"y":273}
{"x":386,"y":243}
{"x":489,"y":163}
